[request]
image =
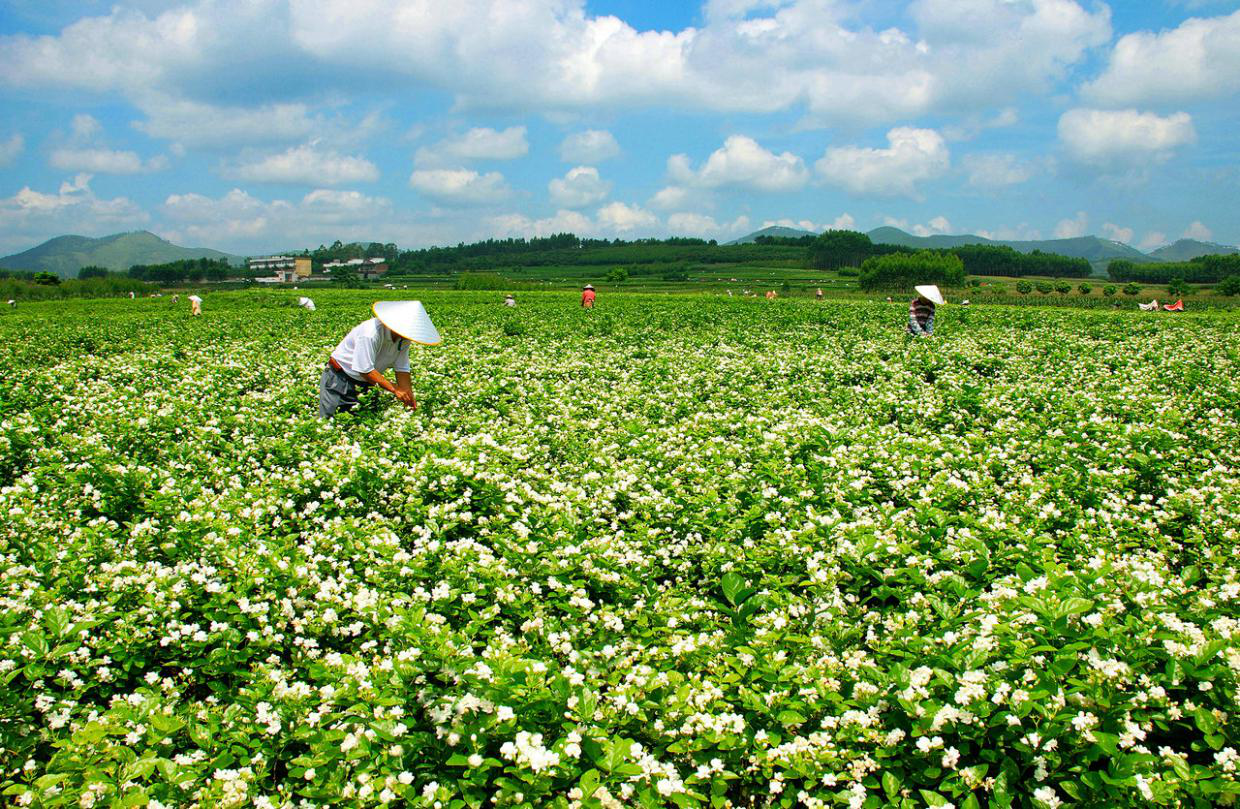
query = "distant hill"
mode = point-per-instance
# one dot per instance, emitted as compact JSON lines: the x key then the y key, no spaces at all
{"x":1099,"y":252}
{"x":1189,"y":249}
{"x":774,"y":230}
{"x":65,"y":255}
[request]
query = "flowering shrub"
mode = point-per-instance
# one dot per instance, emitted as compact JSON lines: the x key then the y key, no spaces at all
{"x":667,"y":552}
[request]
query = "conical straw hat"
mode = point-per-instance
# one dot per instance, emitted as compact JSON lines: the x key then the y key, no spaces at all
{"x":931,"y":293}
{"x":409,"y":320}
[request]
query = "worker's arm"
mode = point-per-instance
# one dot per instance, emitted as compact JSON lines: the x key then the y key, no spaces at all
{"x":404,"y":390}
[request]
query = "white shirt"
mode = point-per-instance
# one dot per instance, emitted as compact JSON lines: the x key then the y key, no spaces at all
{"x":370,"y":347}
{"x":195,"y":299}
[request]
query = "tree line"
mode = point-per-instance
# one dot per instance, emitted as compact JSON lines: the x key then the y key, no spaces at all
{"x":836,"y":249}
{"x":1201,"y":270}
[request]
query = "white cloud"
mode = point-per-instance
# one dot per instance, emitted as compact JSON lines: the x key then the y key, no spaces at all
{"x":196,"y":124}
{"x":913,"y":156}
{"x":1116,"y":139}
{"x":30,"y":216}
{"x":1072,"y":228}
{"x":1199,"y":232}
{"x":999,"y":170}
{"x":240,"y":221}
{"x":551,"y":55}
{"x":590,"y":146}
{"x":520,"y":225}
{"x":579,"y":188}
{"x":1005,"y":233}
{"x":675,"y":198}
{"x":85,"y":127}
{"x":703,"y":226}
{"x":937,"y":225}
{"x":105,"y":161}
{"x":974,"y":125}
{"x":479,"y":143}
{"x":1152,"y":240}
{"x":304,"y":165}
{"x":620,"y":218}
{"x":460,"y":186}
{"x":1118,"y":233}
{"x":10,"y":149}
{"x":741,"y":163}
{"x":1198,"y":60}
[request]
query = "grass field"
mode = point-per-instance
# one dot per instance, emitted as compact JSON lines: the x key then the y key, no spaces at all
{"x":678,"y":550}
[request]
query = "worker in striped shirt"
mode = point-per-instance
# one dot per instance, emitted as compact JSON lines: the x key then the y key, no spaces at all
{"x":921,"y":310}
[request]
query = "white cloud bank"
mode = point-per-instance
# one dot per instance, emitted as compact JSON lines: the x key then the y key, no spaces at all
{"x":743,"y":164}
{"x":304,"y":165}
{"x":996,"y":171}
{"x":30,"y":216}
{"x":589,"y":147}
{"x":912,"y":156}
{"x":1119,"y":139}
{"x":480,"y":143}
{"x":579,"y":188}
{"x":1198,"y":60}
{"x":460,"y":187}
{"x":550,"y":55}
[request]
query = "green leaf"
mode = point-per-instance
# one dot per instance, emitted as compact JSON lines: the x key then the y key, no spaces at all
{"x":735,"y":588}
{"x":1206,"y":722}
{"x":588,"y":782}
{"x":790,"y":718}
{"x":891,"y":784}
{"x":1076,"y":606}
{"x":933,"y":798}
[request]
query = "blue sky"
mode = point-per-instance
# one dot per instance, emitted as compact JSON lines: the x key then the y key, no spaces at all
{"x":275,"y":124}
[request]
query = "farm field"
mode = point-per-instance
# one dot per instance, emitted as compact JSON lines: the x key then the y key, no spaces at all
{"x":677,"y":550}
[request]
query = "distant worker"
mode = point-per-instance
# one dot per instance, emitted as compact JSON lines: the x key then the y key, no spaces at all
{"x":1152,"y":306}
{"x":176,"y":298}
{"x":510,"y":301}
{"x":921,"y":310}
{"x":587,"y":297}
{"x":818,"y":293}
{"x":372,"y":347}
{"x":195,"y":305}
{"x":1178,"y":306}
{"x":12,"y":302}
{"x":770,"y":294}
{"x":132,"y":295}
{"x":305,"y":303}
{"x":964,"y":302}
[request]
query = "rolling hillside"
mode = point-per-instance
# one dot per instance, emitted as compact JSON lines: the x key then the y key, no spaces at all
{"x":1189,"y":249}
{"x":65,"y":255}
{"x":1099,"y":252}
{"x":774,"y":230}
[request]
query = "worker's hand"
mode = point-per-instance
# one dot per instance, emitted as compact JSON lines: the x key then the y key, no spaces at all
{"x":406,"y":398}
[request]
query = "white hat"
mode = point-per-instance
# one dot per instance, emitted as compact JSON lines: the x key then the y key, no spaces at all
{"x":306,"y":303}
{"x":588,"y":286}
{"x":408,"y":319}
{"x":931,"y":293}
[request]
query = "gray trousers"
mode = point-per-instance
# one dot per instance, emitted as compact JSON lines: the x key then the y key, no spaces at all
{"x":338,"y":391}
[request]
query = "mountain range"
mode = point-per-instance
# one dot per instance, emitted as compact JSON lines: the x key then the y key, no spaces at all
{"x":1099,"y":252}
{"x":65,"y":255}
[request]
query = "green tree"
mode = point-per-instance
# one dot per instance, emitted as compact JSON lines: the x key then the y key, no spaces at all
{"x":346,"y":277}
{"x":1063,"y":287}
{"x":1229,"y":285}
{"x":1109,"y":290}
{"x":47,"y":279}
{"x":92,"y":271}
{"x":905,"y":270}
{"x":1044,"y":287}
{"x":617,"y":274}
{"x":839,"y":248}
{"x":1084,"y":289}
{"x":1024,"y":287}
{"x":1178,"y":286}
{"x":1132,"y":289}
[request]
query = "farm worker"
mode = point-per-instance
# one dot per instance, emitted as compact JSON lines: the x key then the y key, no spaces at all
{"x":510,"y":301}
{"x":1178,"y":306}
{"x":176,"y":298}
{"x":921,"y":310}
{"x":818,"y":293}
{"x":370,"y":349}
{"x":305,"y":303}
{"x":587,"y":297}
{"x":770,"y":294}
{"x":195,"y":305}
{"x":12,"y":302}
{"x":1152,"y":306}
{"x":131,"y":295}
